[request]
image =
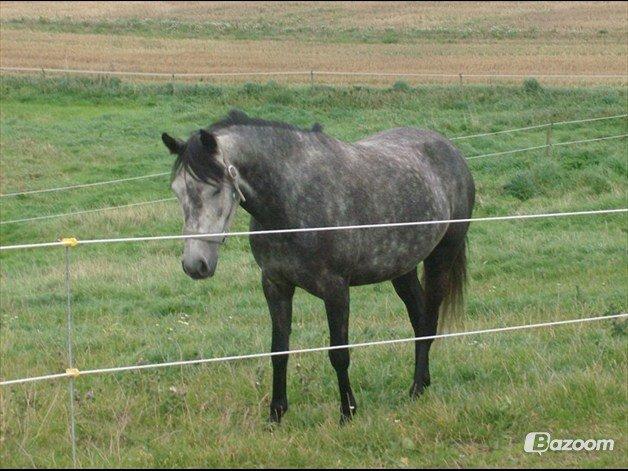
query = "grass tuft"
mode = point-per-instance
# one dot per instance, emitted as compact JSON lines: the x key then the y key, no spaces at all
{"x":532,"y":85}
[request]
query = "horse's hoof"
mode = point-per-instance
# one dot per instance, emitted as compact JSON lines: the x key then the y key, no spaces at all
{"x":417,"y":389}
{"x":277,"y":412}
{"x":347,"y":415}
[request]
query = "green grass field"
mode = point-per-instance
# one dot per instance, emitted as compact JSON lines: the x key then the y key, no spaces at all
{"x":133,"y":304}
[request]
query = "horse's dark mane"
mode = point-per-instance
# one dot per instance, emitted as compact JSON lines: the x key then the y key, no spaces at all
{"x":239,"y":118}
{"x":201,"y":163}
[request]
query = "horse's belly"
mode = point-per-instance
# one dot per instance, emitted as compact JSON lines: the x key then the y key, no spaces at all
{"x":360,"y":256}
{"x":399,"y":251}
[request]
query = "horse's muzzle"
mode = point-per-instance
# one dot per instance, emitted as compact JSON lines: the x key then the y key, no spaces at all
{"x":198,"y":269}
{"x":199,"y":259}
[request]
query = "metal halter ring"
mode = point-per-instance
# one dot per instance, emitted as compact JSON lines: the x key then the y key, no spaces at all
{"x":233,"y":176}
{"x":233,"y":173}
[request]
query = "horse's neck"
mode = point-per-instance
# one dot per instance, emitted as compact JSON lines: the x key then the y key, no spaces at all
{"x":265,"y":176}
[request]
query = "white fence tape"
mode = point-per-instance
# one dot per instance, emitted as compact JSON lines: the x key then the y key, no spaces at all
{"x":86,"y":211}
{"x":556,"y":144}
{"x":457,"y":138}
{"x":118,"y":369}
{"x":514,"y":151}
{"x":315,"y":229}
{"x":149,"y":74}
{"x":84,"y":185}
{"x":538,"y":126}
{"x":309,"y":73}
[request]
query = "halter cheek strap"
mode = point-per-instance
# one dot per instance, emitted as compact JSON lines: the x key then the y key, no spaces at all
{"x":234,"y":177}
{"x":225,"y":226}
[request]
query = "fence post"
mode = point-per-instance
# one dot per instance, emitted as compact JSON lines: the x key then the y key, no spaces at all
{"x":312,"y":78}
{"x":460,"y":75}
{"x":548,"y":140}
{"x":72,"y":372}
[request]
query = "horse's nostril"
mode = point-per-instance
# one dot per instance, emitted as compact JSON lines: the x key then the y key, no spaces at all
{"x":203,"y":269}
{"x":197,"y":269}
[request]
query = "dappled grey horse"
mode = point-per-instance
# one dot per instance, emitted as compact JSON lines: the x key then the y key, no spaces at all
{"x":286,"y":177}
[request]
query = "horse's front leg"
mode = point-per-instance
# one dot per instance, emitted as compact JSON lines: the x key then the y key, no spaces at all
{"x":279,"y":299}
{"x":337,"y":307}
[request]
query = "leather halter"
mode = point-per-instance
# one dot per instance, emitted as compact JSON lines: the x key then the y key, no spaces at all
{"x":238,"y":196}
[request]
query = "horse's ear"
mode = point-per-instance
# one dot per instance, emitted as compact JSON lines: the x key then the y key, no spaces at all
{"x":174,"y":145}
{"x":209,"y":141}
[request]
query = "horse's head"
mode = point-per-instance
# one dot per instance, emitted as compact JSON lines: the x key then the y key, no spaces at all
{"x":207,"y":188}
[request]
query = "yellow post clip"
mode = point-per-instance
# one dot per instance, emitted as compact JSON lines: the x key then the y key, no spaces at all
{"x":69,"y":241}
{"x":73,"y":372}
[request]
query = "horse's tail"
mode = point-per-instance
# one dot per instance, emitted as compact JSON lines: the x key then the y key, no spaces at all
{"x":445,"y":277}
{"x":455,"y":285}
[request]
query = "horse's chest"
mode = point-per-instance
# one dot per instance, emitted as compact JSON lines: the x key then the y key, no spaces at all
{"x":282,"y":259}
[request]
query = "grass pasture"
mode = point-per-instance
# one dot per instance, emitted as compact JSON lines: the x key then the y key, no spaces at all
{"x":133,"y":304}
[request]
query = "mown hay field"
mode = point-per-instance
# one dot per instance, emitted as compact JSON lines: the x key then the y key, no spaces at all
{"x":400,"y":37}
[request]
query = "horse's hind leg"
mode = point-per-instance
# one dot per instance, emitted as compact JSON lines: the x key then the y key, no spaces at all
{"x":445,"y":274}
{"x":409,"y":290}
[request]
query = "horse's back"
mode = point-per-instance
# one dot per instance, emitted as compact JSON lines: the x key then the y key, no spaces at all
{"x":433,"y":157}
